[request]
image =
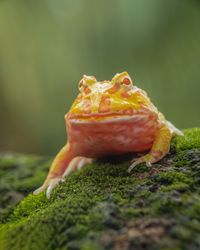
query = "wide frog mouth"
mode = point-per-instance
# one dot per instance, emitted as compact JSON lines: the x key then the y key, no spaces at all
{"x":109,"y":117}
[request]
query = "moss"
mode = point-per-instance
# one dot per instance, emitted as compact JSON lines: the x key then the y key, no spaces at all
{"x":104,"y":207}
{"x":17,"y":179}
{"x":174,"y":180}
{"x":190,"y":140}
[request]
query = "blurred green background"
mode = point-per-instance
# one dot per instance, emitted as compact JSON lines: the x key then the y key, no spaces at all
{"x":47,"y":45}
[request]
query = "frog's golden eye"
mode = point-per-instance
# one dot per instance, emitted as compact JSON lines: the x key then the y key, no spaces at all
{"x":126,"y":80}
{"x":123,"y":79}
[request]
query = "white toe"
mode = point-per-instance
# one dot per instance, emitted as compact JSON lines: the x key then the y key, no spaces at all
{"x":52,"y":184}
{"x":39,"y":190}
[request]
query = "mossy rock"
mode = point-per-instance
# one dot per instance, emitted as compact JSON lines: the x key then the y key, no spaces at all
{"x":102,"y":206}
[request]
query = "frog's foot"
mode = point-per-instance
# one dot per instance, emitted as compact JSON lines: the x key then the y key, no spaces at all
{"x":51,"y":182}
{"x":159,"y":149}
{"x":148,"y":159}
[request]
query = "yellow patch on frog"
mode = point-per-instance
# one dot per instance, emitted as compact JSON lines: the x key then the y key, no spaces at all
{"x":113,"y":96}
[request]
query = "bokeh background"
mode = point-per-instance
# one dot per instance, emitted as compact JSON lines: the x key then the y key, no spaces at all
{"x":47,"y":45}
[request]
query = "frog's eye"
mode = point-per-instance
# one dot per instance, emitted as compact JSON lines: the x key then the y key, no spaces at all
{"x":86,"y":81}
{"x":126,"y":80}
{"x":122,"y":78}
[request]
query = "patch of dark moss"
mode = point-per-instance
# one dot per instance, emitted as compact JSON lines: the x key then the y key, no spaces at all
{"x":104,"y":207}
{"x":17,"y":178}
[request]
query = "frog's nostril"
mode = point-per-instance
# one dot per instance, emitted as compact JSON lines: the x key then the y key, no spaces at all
{"x":104,"y":105}
{"x":114,"y":88}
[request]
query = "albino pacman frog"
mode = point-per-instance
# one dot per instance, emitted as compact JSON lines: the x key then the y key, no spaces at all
{"x":110,"y":118}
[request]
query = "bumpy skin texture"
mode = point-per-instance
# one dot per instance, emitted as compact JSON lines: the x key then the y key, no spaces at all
{"x":108,"y":118}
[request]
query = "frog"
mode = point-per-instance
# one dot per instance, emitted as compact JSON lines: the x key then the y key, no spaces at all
{"x":110,"y":118}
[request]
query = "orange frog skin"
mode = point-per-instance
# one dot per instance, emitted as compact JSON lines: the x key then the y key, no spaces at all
{"x":108,"y":118}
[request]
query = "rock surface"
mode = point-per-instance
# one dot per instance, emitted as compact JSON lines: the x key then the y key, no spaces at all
{"x":102,"y":206}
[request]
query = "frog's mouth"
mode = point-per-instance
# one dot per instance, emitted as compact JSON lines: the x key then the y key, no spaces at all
{"x":106,"y":117}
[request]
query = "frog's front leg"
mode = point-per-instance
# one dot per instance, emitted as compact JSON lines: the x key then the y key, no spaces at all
{"x":64,"y":163}
{"x":159,"y":149}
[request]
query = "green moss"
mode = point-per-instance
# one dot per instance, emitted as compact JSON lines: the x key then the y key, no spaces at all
{"x":30,"y":206}
{"x":16,"y":174}
{"x":179,"y":186}
{"x":190,"y":140}
{"x":174,"y":177}
{"x":103,"y":206}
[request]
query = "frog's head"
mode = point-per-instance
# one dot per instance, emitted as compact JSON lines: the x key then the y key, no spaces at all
{"x":100,"y":100}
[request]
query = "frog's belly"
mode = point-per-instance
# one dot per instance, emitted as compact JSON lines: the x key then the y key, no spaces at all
{"x":117,"y":136}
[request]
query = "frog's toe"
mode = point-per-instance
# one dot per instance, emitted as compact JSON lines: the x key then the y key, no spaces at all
{"x":40,"y":189}
{"x":83,"y":161}
{"x":148,"y":159}
{"x":52,"y":184}
{"x":76,"y":163}
{"x":48,"y":186}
